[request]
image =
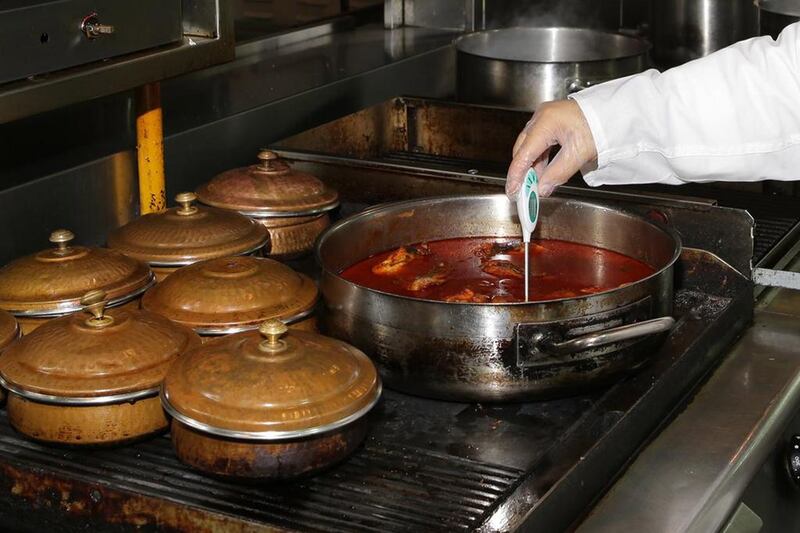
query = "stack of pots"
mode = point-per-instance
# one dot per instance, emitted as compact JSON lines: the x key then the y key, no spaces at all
{"x":268,"y":404}
{"x":292,"y":205}
{"x":267,"y":399}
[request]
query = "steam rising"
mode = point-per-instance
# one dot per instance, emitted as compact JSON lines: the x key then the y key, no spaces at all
{"x":575,"y":13}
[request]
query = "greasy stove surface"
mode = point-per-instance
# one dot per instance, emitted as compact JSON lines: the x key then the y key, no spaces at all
{"x":426,"y":465}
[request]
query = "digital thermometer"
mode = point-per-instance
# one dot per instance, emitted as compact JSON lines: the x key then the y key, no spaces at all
{"x":528,"y":213}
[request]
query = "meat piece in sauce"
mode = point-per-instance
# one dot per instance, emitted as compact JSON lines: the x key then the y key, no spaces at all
{"x":399,"y":259}
{"x":437,"y":276}
{"x":591,"y":290}
{"x":468,"y":296}
{"x":502,"y":269}
{"x":491,"y":249}
{"x":563,"y":293}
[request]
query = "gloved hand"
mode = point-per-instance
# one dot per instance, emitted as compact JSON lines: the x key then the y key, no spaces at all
{"x":554,"y":123}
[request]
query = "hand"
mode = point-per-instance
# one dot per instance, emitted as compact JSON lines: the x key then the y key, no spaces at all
{"x":554,"y":123}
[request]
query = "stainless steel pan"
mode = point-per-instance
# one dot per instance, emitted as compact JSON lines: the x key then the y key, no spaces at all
{"x":497,"y":352}
{"x":523,"y":67}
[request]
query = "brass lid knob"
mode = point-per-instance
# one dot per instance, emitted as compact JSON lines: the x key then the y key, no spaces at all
{"x":62,"y":238}
{"x":267,"y":155}
{"x":270,"y":161}
{"x":185,"y":200}
{"x":94,"y":302}
{"x":272,"y":330}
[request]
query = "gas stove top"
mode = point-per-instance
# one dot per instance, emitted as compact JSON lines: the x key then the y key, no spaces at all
{"x":426,"y":465}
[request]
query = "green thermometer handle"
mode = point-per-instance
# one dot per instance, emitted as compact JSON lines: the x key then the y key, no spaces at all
{"x":528,"y":204}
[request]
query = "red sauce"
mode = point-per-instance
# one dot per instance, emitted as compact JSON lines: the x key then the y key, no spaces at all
{"x":489,"y":270}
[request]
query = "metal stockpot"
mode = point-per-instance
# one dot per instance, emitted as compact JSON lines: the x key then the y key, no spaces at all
{"x":497,"y":352}
{"x":683,"y":30}
{"x":523,"y":67}
{"x":775,"y":15}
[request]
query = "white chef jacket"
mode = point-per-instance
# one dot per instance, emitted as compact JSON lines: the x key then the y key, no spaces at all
{"x":731,"y":116}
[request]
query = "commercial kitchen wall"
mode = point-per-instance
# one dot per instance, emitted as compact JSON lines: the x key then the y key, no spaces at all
{"x":76,"y":167}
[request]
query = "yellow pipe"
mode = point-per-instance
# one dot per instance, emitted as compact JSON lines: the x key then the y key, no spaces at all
{"x":150,"y":149}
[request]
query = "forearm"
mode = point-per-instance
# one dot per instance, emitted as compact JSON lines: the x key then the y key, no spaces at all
{"x":732,"y":116}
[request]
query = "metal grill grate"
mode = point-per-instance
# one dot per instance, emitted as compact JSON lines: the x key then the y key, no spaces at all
{"x":774,"y":215}
{"x":383,"y":487}
{"x":768,"y":232}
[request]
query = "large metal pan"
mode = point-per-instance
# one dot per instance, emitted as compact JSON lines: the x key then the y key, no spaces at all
{"x":523,"y":67}
{"x":497,"y":352}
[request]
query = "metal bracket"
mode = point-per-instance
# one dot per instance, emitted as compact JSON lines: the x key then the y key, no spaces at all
{"x":776,"y":278}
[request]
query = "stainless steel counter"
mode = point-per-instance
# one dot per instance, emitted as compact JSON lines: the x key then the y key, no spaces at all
{"x":694,"y":474}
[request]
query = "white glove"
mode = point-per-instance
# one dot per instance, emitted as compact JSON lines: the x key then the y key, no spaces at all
{"x":554,"y":123}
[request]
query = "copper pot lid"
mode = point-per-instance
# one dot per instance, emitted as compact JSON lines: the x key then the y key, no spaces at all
{"x":271,"y":384}
{"x":9,"y":329}
{"x":52,"y":282}
{"x":269,"y":189}
{"x":96,"y":357}
{"x":232,"y":294}
{"x":186,"y":234}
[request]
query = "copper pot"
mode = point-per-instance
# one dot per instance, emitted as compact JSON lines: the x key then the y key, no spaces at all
{"x":234,"y":294}
{"x":9,"y":332}
{"x":292,"y":205}
{"x":50,"y":283}
{"x":92,"y":380}
{"x":187,"y":234}
{"x":292,"y":238}
{"x":271,"y":404}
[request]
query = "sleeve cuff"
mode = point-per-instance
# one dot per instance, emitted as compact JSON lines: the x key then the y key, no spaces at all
{"x":586,"y":104}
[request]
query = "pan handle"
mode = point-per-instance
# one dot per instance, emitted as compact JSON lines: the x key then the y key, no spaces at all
{"x":608,"y":336}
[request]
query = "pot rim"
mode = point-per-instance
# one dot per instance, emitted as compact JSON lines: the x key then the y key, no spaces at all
{"x":268,"y":436}
{"x":61,"y":311}
{"x":169,"y":264}
{"x":645,"y":46}
{"x":401,"y":204}
{"x":226,"y":330}
{"x":270,"y":213}
{"x":79,"y":401}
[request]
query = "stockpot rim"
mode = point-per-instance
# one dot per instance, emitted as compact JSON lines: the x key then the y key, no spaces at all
{"x":669,"y":231}
{"x":459,"y":42}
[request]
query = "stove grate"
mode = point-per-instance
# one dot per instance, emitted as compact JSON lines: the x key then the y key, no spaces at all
{"x":383,"y":487}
